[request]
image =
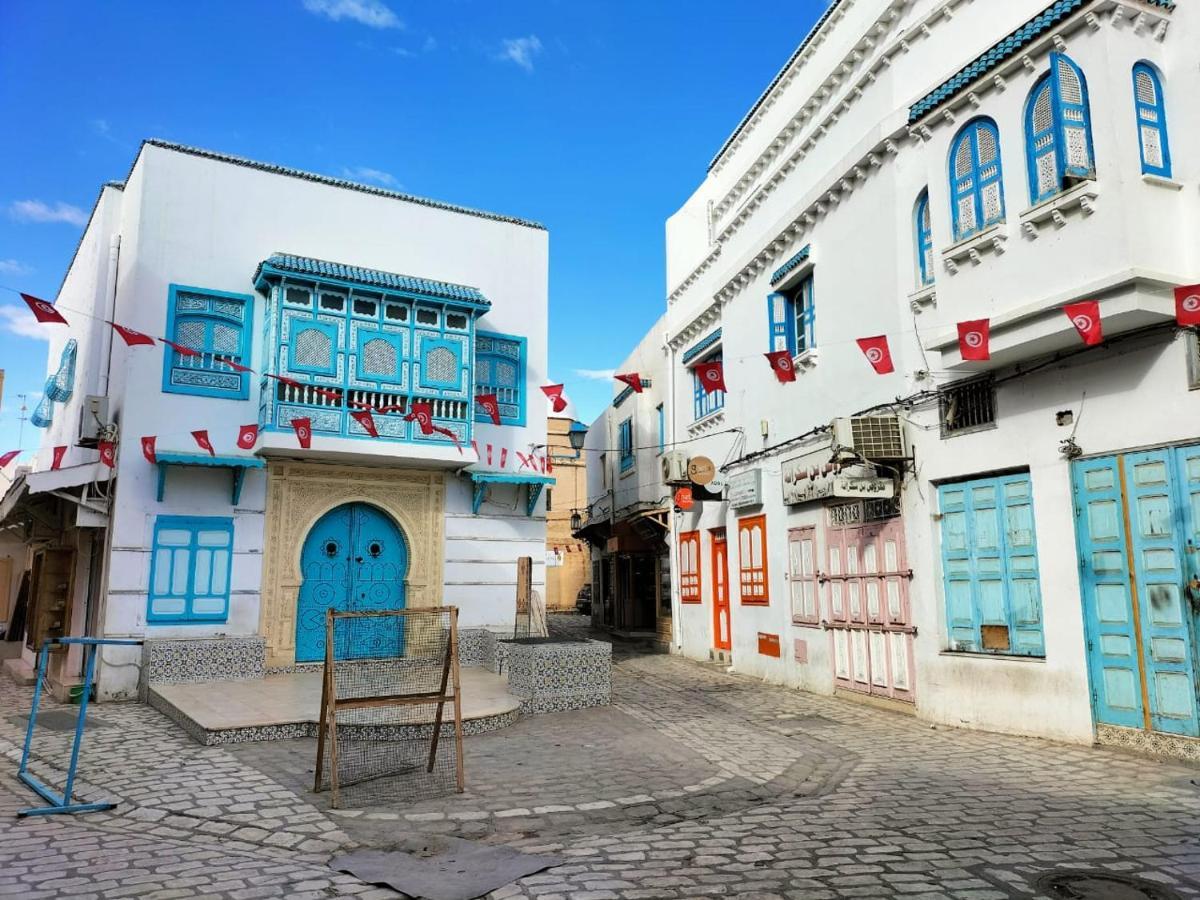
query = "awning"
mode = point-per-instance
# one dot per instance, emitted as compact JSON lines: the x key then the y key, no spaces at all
{"x":73,"y":476}
{"x":55,"y":482}
{"x":237,"y":466}
{"x":483,"y":479}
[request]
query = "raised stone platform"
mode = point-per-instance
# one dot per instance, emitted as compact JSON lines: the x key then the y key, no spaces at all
{"x":283,"y":706}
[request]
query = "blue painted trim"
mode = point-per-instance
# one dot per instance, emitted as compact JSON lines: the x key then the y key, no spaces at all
{"x":236,"y":464}
{"x":522,"y":378}
{"x":1065,"y":117}
{"x":705,"y":403}
{"x":782,"y":272}
{"x":972,"y":184}
{"x":429,"y":344}
{"x":328,"y":329}
{"x":246,"y":325}
{"x":996,"y":55}
{"x":628,"y":392}
{"x":625,"y":444}
{"x":662,"y":428}
{"x":696,"y":349}
{"x":1157,"y":110}
{"x":193,"y":525}
{"x":924,"y":234}
{"x":535,"y":484}
{"x":281,"y":264}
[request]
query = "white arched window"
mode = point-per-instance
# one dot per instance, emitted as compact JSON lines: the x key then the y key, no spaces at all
{"x":1151,"y":120}
{"x":1058,"y":130}
{"x":976,"y":191}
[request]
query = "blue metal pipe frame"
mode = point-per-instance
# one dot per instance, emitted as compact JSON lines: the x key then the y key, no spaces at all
{"x":61,"y":803}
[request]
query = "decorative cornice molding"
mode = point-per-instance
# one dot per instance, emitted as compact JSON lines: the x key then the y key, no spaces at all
{"x":694,"y":275}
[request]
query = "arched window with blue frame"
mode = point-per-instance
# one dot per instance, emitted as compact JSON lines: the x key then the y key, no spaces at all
{"x":923,"y":231}
{"x":1151,"y":120}
{"x":1058,"y":130}
{"x":976,"y":188}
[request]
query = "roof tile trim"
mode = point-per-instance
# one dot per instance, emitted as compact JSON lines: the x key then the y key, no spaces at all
{"x":796,"y":260}
{"x":283,"y":263}
{"x":698,"y":348}
{"x":333,"y":182}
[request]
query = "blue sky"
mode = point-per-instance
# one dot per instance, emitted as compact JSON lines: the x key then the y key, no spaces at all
{"x":597,"y":119}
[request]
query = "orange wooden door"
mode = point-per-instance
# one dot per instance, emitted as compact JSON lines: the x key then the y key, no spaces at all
{"x":722,"y":633}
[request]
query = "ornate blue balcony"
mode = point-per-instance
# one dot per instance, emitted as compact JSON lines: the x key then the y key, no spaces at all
{"x":349,"y":338}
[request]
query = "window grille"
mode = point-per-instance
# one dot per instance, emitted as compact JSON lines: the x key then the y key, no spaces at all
{"x":365,"y":307}
{"x":500,"y":370}
{"x":967,"y":406}
{"x":333,"y":302}
{"x":216,"y":326}
{"x":378,"y":358}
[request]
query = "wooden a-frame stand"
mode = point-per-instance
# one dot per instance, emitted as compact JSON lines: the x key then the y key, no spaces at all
{"x":331,"y":704}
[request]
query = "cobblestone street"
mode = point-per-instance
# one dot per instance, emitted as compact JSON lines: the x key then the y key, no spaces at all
{"x":694,"y":783}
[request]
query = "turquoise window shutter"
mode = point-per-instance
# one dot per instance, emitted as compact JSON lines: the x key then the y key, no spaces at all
{"x":1072,"y":118}
{"x":1151,"y":121}
{"x":779,"y":319}
{"x":190,"y":566}
{"x":1041,"y":142}
{"x":924,"y":233}
{"x":976,"y":178}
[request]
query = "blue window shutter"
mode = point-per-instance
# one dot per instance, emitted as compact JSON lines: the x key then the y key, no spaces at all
{"x":924,"y":239}
{"x":190,"y":567}
{"x":976,"y":178}
{"x":780,"y":321}
{"x":808,"y":298}
{"x":1151,"y":121}
{"x":1074,"y":129}
{"x":958,"y":567}
{"x":1041,"y":142}
{"x":1021,"y":567}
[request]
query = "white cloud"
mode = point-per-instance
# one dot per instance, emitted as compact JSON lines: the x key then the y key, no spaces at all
{"x":372,"y":13}
{"x":366,"y":173}
{"x":521,"y":51}
{"x":596,"y":374}
{"x":20,"y":321}
{"x":37,"y":211}
{"x":13,"y":267}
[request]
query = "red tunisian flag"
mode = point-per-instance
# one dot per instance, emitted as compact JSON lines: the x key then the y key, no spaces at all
{"x":974,"y":339}
{"x":236,"y":366}
{"x":303,"y":429}
{"x":877,"y":353}
{"x":132,"y":338}
{"x":422,"y":414}
{"x":203,"y":442}
{"x":363,"y":418}
{"x":555,"y":393}
{"x":148,"y":450}
{"x":782,"y":365}
{"x":56,"y":457}
{"x":180,"y":349}
{"x":1187,"y":304}
{"x":1085,"y":317}
{"x":712,"y":376}
{"x":108,"y":453}
{"x":633,"y":379}
{"x":491,"y":406}
{"x":247,"y":436}
{"x":8,"y":457}
{"x":44,"y":311}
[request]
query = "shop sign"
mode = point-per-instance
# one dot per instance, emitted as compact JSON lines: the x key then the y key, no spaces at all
{"x":701,"y":470}
{"x":806,"y":485}
{"x":745,"y":489}
{"x":684,"y":499}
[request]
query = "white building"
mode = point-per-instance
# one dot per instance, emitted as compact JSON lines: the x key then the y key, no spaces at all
{"x":1013,"y":546}
{"x":356,"y":297}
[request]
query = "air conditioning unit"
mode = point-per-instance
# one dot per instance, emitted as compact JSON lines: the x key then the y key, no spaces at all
{"x":871,"y":437}
{"x":674,"y":467}
{"x":93,"y":421}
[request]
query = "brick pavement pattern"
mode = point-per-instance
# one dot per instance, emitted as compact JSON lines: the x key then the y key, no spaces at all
{"x":696,"y":783}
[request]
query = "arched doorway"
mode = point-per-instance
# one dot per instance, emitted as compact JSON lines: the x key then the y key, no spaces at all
{"x":354,"y":558}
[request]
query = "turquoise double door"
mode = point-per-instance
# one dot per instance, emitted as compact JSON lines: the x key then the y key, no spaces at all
{"x":1138,"y":527}
{"x":354,"y":559}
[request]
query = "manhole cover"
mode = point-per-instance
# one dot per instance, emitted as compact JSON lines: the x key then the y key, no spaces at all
{"x":1084,"y":884}
{"x":57,"y":720}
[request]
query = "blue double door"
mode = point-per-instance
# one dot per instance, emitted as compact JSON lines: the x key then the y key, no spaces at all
{"x":354,"y":559}
{"x":1138,"y":526}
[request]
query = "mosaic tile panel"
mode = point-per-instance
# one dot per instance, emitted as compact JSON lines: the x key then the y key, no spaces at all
{"x":1153,"y":743}
{"x":211,"y":659}
{"x":555,"y":677}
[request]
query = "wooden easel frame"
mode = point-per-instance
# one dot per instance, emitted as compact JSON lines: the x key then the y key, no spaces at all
{"x":331,"y":704}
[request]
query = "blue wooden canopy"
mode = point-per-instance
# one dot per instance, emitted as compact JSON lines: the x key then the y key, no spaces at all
{"x":483,"y":479}
{"x":237,"y":466}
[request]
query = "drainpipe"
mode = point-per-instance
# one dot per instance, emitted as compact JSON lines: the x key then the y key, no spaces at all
{"x":673,"y":532}
{"x":110,"y":310}
{"x":94,"y":619}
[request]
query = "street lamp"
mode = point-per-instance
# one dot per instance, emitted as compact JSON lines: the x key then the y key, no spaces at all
{"x":577,"y":434}
{"x":576,"y":520}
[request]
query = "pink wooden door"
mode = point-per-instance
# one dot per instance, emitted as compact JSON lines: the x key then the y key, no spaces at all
{"x":869,"y":616}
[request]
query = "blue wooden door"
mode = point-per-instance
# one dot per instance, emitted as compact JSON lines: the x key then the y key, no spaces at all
{"x":1112,"y":635}
{"x":1136,"y":517}
{"x":354,"y":558}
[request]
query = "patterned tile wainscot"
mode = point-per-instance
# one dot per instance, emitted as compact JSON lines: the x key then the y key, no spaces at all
{"x":211,"y":659}
{"x":559,"y":675}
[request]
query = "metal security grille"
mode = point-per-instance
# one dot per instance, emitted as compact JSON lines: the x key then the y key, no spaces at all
{"x":441,"y":365}
{"x":313,"y":348}
{"x":378,"y":358}
{"x":967,"y":406}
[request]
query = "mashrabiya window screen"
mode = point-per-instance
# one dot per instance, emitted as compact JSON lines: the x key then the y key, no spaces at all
{"x":1151,"y":120}
{"x":215,"y":325}
{"x":1058,"y":130}
{"x":190,"y":566}
{"x":976,"y":184}
{"x":990,"y":566}
{"x":500,"y":370}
